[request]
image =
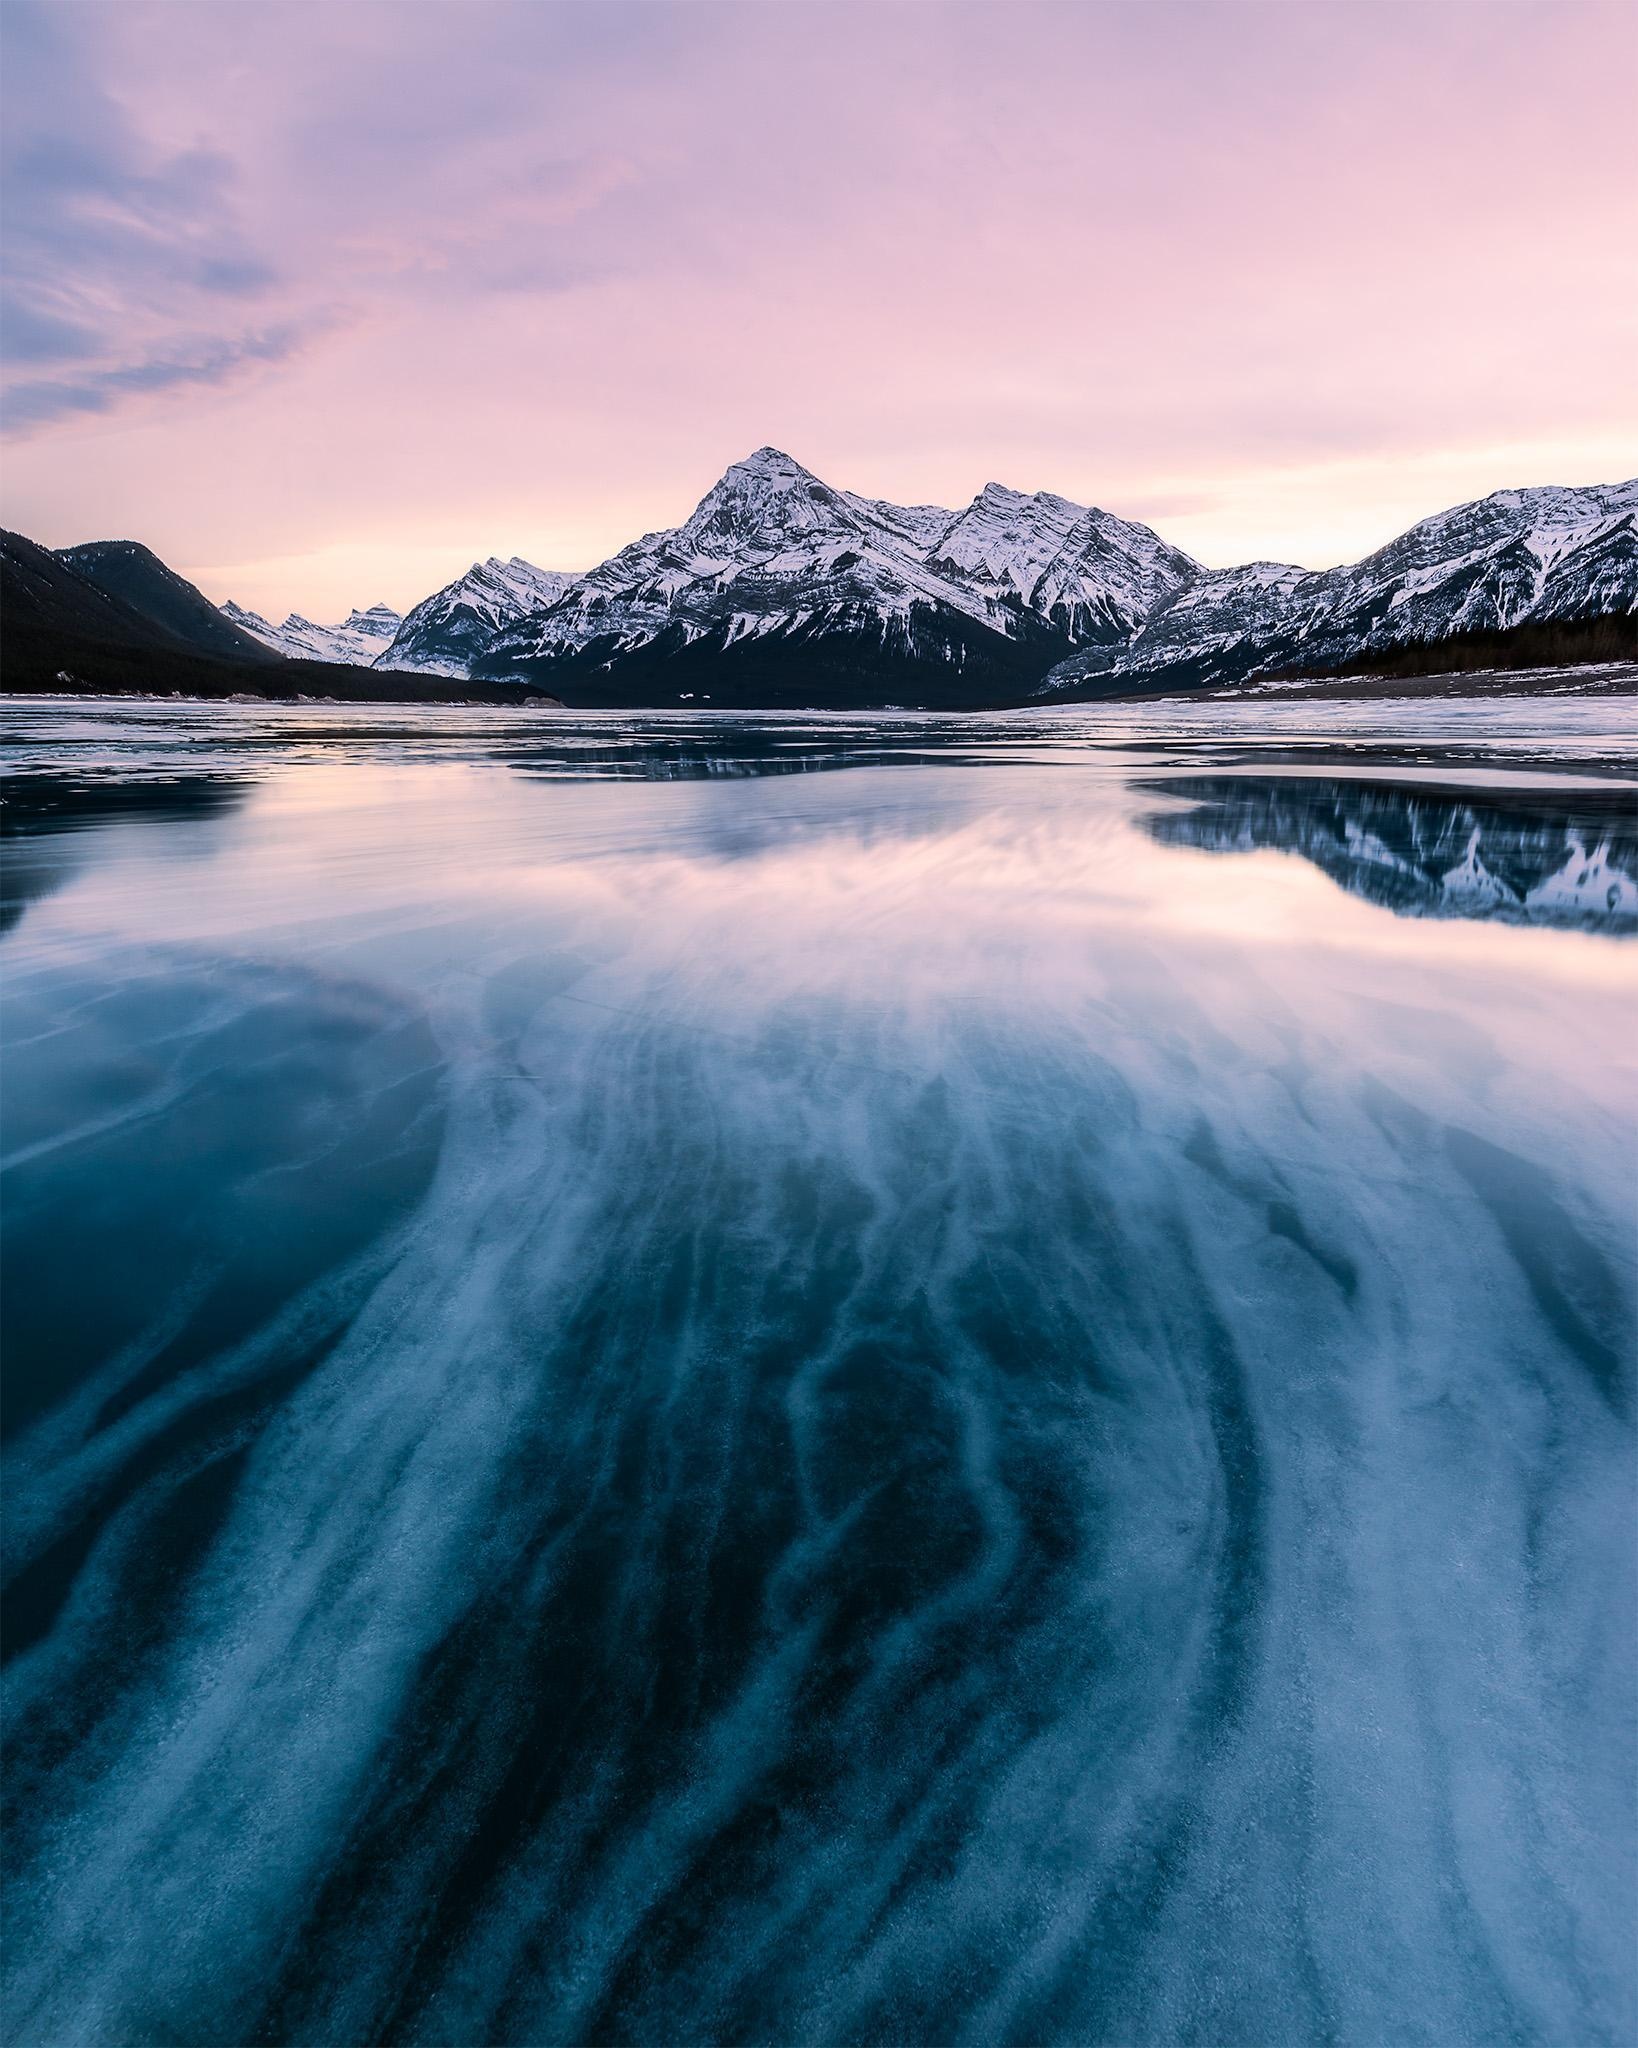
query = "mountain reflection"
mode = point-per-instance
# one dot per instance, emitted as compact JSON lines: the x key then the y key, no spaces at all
{"x":1553,"y":857}
{"x":60,"y":803}
{"x":42,"y":816}
{"x":685,"y":756}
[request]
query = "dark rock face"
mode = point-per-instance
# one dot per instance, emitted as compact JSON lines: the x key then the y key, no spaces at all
{"x":136,"y":577}
{"x":63,"y":629}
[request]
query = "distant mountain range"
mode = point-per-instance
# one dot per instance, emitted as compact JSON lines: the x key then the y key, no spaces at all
{"x":111,"y":617}
{"x":780,"y":590}
{"x":1541,"y":557}
{"x":357,"y":640}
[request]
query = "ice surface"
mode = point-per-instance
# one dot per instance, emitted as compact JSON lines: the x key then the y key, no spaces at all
{"x":662,"y":1397}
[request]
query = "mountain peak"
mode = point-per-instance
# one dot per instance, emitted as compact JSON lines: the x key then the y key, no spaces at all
{"x":134,"y":575}
{"x":357,"y":640}
{"x":380,"y":620}
{"x":765,"y":502}
{"x":443,"y":632}
{"x":998,"y":496}
{"x":770,"y":465}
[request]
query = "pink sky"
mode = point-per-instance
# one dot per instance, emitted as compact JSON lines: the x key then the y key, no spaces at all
{"x":323,"y":301}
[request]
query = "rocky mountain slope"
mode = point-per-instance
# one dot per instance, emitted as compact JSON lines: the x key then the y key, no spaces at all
{"x":1517,"y":558}
{"x":136,"y":578}
{"x":446,"y":633}
{"x":357,"y":640}
{"x":780,"y":584}
{"x":47,"y":598}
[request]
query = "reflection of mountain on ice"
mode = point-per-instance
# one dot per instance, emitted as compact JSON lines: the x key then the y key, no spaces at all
{"x":1529,"y":856}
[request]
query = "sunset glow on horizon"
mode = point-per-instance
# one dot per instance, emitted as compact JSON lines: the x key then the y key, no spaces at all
{"x":322,"y":303}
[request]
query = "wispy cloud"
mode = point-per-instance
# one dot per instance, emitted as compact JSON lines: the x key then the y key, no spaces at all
{"x":119,"y":253}
{"x":134,"y":268}
{"x":38,"y":402}
{"x":31,"y":332}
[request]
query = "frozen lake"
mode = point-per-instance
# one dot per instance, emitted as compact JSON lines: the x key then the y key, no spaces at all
{"x":846,"y":1379}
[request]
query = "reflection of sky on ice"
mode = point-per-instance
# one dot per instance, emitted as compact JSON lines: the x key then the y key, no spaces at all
{"x":868,"y":1405}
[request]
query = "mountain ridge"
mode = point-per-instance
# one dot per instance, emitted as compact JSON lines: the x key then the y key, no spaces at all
{"x":781,"y":590}
{"x":133,"y":574}
{"x":1549,"y":553}
{"x":846,"y":586}
{"x":63,"y":632}
{"x":444,"y":633}
{"x":356,"y":641}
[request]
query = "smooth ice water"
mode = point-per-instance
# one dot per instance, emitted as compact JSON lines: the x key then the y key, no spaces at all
{"x":835,"y":1380}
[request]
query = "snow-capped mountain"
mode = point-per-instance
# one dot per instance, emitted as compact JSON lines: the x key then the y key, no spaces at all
{"x":780,"y":589}
{"x":359,"y":638}
{"x":1094,"y":577}
{"x":780,"y":576}
{"x":445,"y":633}
{"x":1553,"y":554}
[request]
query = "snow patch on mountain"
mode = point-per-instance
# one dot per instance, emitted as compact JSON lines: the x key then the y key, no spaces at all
{"x":773,"y":551}
{"x":1092,"y":575}
{"x":444,"y":633}
{"x":356,"y":641}
{"x":1015,"y":592}
{"x":1549,"y":553}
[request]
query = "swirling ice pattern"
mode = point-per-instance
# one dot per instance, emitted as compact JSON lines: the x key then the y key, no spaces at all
{"x":861,"y":1451}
